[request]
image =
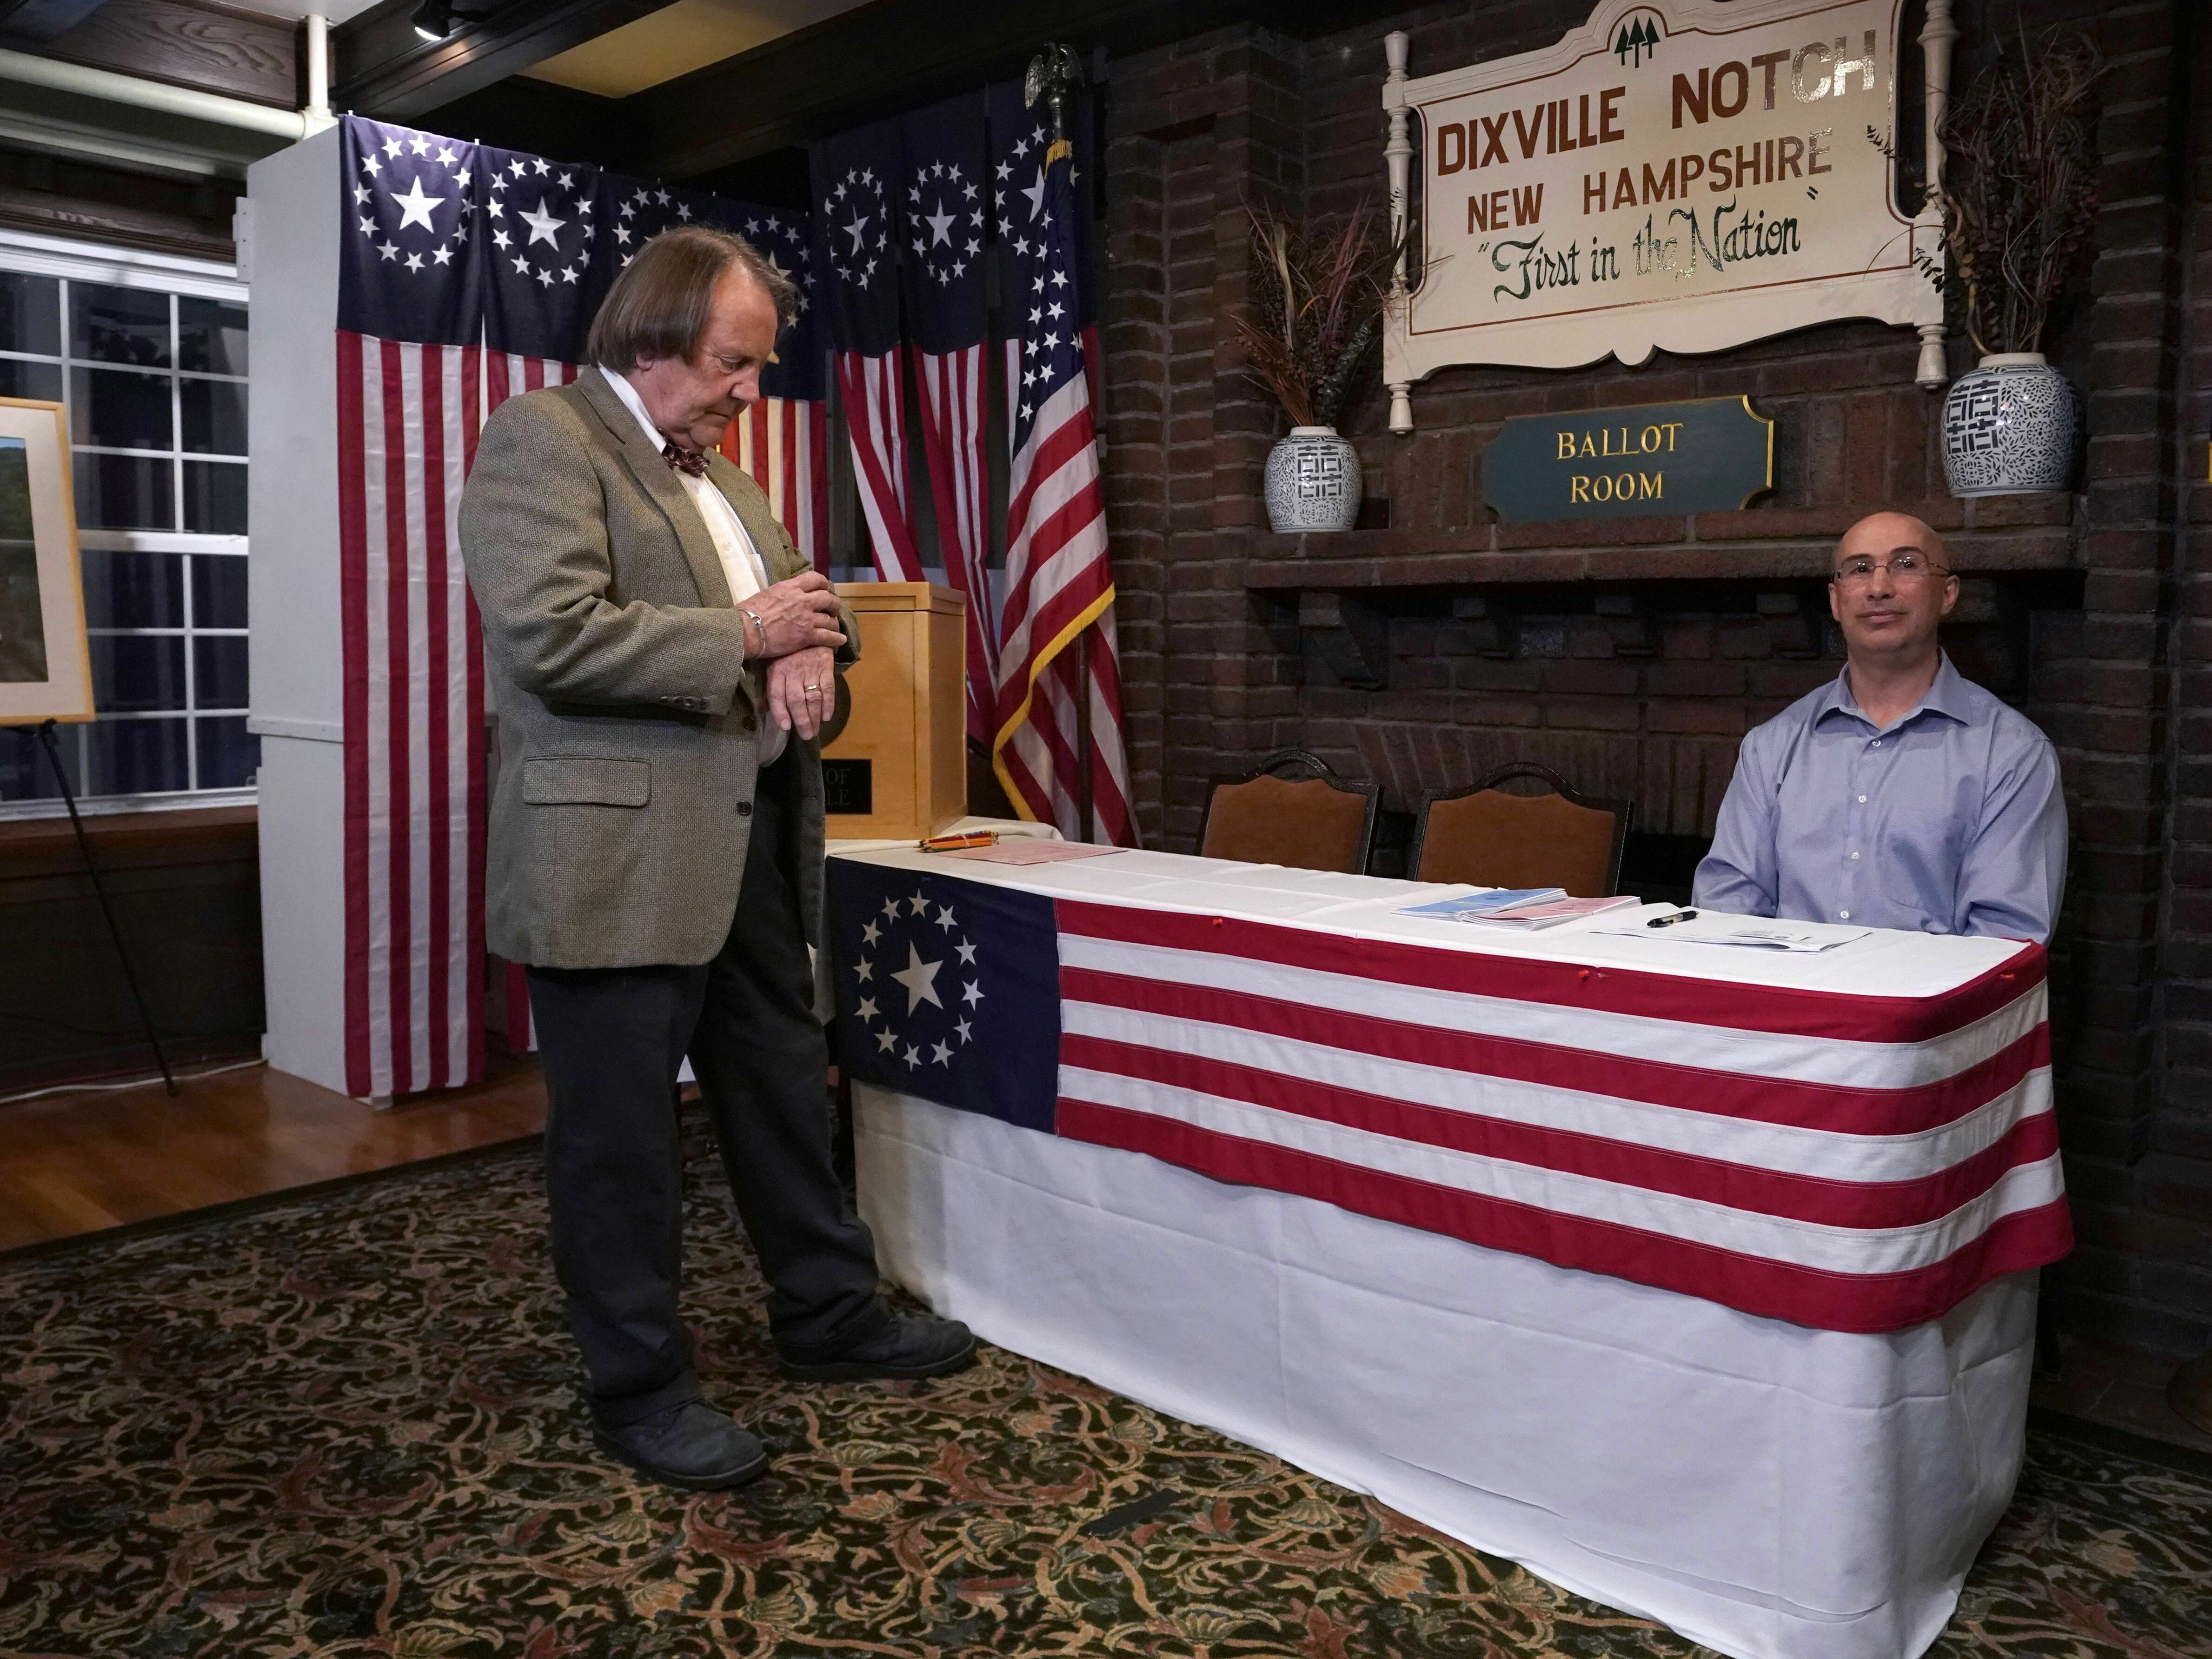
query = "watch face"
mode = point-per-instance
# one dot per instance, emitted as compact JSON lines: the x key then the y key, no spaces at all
{"x":841,"y":711}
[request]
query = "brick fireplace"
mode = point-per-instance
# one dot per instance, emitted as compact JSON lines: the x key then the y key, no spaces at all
{"x":1632,"y":655}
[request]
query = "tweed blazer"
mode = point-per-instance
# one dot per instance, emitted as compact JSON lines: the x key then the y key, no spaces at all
{"x":628,"y":725}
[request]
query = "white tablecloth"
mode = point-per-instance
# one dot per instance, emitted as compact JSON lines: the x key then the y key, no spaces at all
{"x":1773,"y":1491}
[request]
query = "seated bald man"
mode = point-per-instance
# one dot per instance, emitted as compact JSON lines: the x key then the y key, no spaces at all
{"x":1899,"y":794}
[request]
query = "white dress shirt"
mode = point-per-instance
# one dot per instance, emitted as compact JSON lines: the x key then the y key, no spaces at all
{"x":742,"y":567}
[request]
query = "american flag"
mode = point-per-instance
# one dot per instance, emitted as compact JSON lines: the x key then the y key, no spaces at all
{"x":1056,"y":634}
{"x":468,"y":275}
{"x":783,"y":439}
{"x":856,"y":190}
{"x":1849,"y":1159}
{"x":946,"y":220}
{"x":410,"y":404}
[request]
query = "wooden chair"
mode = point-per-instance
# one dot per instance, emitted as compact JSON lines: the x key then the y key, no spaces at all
{"x":1311,"y":824}
{"x":1488,"y":838}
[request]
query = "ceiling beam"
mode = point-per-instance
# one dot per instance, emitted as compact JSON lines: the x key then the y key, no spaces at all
{"x":387,"y":71}
{"x":897,"y":55}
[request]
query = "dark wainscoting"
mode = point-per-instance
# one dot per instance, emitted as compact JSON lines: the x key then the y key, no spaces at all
{"x":186,"y":887}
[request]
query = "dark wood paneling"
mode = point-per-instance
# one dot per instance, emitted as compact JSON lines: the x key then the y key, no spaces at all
{"x":59,"y":198}
{"x":186,"y":889}
{"x":190,"y":43}
{"x":384,"y":69}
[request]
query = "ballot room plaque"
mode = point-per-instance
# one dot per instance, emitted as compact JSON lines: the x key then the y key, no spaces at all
{"x":1709,"y":455}
{"x":899,"y":769}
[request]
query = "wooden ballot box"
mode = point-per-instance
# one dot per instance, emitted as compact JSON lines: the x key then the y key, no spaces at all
{"x":899,"y":769}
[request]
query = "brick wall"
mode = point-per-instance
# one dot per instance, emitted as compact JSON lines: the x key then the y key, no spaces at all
{"x":2094,"y":613}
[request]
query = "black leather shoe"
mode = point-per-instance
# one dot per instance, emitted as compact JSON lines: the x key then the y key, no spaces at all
{"x":902,"y":1347}
{"x":692,"y":1446}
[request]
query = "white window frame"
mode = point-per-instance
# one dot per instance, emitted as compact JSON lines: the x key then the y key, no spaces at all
{"x":35,"y":255}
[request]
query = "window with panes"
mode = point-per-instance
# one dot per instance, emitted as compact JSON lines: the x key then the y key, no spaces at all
{"x":154,"y":379}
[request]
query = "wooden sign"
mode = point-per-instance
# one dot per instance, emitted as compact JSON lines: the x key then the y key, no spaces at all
{"x":1710,"y":455}
{"x":1684,"y":176}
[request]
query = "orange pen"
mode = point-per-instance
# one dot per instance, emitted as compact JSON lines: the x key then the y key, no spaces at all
{"x":953,"y":843}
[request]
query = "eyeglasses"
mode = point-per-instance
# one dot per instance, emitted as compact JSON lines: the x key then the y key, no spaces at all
{"x":1902,"y":568}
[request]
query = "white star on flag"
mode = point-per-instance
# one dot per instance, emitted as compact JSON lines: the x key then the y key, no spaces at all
{"x":940,"y":226}
{"x":919,"y":979}
{"x":543,"y":225}
{"x":415,"y":206}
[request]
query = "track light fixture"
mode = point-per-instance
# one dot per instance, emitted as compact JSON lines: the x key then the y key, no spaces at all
{"x":434,"y":20}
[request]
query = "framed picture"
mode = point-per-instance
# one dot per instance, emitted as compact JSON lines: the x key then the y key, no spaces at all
{"x":46,"y":669}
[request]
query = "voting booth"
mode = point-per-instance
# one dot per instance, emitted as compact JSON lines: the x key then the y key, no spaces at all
{"x":898,"y":770}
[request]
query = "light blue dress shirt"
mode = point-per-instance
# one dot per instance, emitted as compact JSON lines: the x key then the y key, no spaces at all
{"x":1949,"y":822}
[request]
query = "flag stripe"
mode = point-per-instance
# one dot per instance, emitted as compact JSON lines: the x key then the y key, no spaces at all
{"x":953,"y":438}
{"x":1886,"y":1186}
{"x":778,"y":440}
{"x":876,"y":419}
{"x":1807,"y":1295}
{"x":353,"y":645}
{"x":1848,"y":1102}
{"x":1680,"y":1001}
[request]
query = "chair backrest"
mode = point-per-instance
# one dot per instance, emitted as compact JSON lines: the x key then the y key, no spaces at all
{"x":1311,"y":824}
{"x":1488,"y":838}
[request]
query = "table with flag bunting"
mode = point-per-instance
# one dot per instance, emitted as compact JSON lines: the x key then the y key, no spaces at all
{"x":1854,"y":1142}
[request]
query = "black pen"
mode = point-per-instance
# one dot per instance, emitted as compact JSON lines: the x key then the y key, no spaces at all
{"x":1669,"y":921}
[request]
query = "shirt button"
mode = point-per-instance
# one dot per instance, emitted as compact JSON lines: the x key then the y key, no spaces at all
{"x":1855,"y":856}
{"x":1877,"y":743}
{"x":1845,"y":914}
{"x":745,"y":809}
{"x":1862,"y":800}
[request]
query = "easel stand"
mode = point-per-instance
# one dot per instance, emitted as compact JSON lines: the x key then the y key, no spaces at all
{"x":53,"y":747}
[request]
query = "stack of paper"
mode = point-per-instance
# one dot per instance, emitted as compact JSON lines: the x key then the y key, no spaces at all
{"x":1471,"y":906}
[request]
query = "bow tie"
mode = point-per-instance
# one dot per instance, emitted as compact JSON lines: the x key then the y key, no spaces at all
{"x":693,"y":461}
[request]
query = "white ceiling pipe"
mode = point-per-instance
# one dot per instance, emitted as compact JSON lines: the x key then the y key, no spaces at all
{"x":152,"y":94}
{"x":318,"y":72}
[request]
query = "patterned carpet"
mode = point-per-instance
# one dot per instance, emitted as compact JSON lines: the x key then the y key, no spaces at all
{"x":343,"y":1427}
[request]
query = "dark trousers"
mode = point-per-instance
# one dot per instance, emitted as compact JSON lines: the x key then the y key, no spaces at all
{"x":611,"y":1040}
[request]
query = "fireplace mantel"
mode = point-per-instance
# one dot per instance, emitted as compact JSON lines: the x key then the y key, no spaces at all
{"x":2020,"y":533}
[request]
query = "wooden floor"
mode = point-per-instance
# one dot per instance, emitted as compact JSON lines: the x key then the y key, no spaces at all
{"x":75,"y":1164}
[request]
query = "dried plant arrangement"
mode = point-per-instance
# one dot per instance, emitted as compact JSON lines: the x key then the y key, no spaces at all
{"x":2018,"y":190}
{"x":1317,"y":312}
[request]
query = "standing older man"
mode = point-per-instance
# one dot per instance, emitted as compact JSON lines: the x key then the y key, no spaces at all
{"x":662,"y":659}
{"x":1898,"y":795}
